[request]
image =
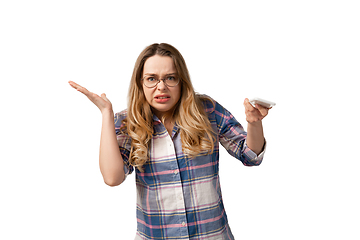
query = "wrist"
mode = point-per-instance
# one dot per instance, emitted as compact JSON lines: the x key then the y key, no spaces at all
{"x":107,"y":112}
{"x":255,"y":123}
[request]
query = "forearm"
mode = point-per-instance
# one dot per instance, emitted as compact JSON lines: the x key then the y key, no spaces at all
{"x":110,"y":159}
{"x":255,"y":137}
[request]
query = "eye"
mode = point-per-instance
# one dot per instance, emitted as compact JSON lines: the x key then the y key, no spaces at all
{"x":170,"y":78}
{"x":150,"y":79}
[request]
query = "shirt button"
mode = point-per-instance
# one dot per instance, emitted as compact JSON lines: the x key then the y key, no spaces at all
{"x":184,"y":224}
{"x":176,"y":172}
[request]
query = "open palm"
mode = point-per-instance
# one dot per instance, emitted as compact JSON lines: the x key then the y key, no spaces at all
{"x":100,"y":101}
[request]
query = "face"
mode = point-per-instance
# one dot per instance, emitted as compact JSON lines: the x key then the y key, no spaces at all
{"x":161,"y":97}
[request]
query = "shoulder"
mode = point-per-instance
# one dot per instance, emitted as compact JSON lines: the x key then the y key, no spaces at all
{"x":208,"y":103}
{"x":121,"y":114}
{"x":120,"y":117}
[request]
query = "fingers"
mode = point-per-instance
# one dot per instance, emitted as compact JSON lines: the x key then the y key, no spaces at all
{"x":92,"y":96}
{"x":254,"y":114}
{"x":79,"y":88}
{"x":73,"y":84}
{"x":263,"y":110}
{"x":248,"y":106}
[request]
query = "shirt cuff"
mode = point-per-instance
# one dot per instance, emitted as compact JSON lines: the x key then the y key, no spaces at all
{"x":251,"y":158}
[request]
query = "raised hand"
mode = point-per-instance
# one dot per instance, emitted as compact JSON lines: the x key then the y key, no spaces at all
{"x":254,"y":114}
{"x":100,"y":101}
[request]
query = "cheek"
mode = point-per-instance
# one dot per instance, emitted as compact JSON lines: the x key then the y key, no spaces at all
{"x":148,"y":95}
{"x":178,"y":94}
{"x":145,"y":90}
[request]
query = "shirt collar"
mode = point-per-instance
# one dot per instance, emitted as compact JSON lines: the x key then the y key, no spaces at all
{"x":159,"y":126}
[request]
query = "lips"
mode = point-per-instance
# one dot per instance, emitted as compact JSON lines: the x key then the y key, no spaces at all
{"x":162,"y":98}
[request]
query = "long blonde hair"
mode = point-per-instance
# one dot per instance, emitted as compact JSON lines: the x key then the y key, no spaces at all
{"x":196,"y":132}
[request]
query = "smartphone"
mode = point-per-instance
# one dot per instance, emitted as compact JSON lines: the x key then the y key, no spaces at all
{"x":262,"y":102}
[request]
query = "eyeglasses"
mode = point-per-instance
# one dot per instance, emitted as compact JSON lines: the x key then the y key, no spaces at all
{"x":151,"y":81}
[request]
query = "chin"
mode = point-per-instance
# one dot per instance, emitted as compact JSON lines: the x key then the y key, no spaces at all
{"x":161,"y":109}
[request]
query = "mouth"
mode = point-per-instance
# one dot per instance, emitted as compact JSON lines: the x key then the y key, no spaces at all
{"x":162,"y":98}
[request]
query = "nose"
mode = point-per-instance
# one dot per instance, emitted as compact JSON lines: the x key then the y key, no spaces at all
{"x":161,"y":85}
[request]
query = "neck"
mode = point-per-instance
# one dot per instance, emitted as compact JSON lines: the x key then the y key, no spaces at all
{"x":165,"y":117}
{"x":167,"y":120}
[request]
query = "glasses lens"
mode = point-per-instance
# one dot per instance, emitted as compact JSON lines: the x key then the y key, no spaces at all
{"x":171,"y":81}
{"x":150,"y":81}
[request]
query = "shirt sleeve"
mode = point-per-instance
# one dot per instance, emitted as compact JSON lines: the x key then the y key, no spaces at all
{"x":124,"y":141}
{"x":232,"y":137}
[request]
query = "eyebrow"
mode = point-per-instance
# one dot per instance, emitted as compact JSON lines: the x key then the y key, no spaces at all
{"x":153,"y":74}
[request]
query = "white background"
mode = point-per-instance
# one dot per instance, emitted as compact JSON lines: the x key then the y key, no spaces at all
{"x":303,"y":55}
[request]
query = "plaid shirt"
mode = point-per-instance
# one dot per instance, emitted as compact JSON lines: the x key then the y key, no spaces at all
{"x":178,"y":197}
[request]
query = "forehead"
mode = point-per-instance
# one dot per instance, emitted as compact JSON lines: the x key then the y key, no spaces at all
{"x":159,"y":65}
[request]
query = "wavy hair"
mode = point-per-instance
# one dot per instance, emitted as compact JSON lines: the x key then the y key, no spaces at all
{"x":197,"y":135}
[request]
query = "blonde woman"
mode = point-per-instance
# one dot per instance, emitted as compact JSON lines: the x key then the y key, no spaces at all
{"x":170,"y":136}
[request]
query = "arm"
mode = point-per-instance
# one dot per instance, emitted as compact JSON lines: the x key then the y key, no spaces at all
{"x":110,"y":159}
{"x":255,"y":135}
{"x":234,"y":138}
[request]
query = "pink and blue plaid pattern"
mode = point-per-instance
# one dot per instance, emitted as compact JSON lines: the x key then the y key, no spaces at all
{"x":179,"y":197}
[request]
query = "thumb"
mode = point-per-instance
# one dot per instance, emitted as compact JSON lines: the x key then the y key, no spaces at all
{"x":263,"y":111}
{"x":103,"y":96}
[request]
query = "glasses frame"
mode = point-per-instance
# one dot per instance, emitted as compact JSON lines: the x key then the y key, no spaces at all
{"x":159,"y":80}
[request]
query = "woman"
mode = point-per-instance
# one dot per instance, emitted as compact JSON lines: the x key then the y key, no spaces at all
{"x":170,"y":136}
